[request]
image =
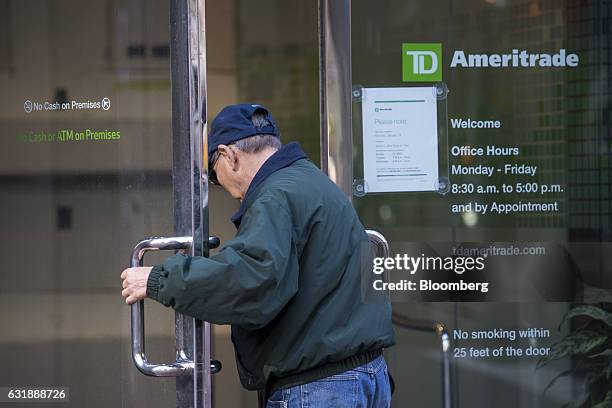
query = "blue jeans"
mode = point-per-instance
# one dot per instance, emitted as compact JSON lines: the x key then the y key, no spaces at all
{"x":366,"y":386}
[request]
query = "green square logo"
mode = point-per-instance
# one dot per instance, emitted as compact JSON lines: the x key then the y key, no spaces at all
{"x":421,"y":62}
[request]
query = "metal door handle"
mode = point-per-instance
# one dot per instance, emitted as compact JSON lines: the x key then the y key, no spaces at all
{"x":181,"y":366}
{"x":381,"y":243}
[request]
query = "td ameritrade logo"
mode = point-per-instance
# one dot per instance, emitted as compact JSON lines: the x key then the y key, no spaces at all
{"x":422,"y":62}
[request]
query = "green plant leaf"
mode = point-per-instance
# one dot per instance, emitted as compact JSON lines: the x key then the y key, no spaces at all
{"x":606,"y":352}
{"x":594,"y":376}
{"x":593,"y":312}
{"x":554,"y":380}
{"x":574,"y":344}
{"x":606,"y":402}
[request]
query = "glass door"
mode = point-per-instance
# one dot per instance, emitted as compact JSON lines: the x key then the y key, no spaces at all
{"x":516,"y":134}
{"x":99,"y":149}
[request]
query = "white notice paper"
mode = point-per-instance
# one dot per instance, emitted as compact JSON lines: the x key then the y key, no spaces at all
{"x":400,"y":139}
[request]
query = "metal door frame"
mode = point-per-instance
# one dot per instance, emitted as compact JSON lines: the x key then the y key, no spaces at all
{"x":189,"y":166}
{"x":335,"y":78}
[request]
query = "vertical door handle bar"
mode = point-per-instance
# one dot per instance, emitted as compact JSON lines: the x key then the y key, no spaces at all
{"x":177,"y":368}
{"x":181,"y":366}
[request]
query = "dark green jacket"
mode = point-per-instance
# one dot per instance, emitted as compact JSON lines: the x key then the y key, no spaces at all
{"x":289,"y":283}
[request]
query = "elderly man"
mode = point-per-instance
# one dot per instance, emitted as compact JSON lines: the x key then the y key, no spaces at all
{"x":289,"y":283}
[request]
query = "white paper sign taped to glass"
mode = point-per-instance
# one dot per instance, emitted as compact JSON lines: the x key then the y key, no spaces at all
{"x":400,"y":139}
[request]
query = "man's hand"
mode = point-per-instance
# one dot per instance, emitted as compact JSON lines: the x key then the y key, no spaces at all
{"x":135,"y":283}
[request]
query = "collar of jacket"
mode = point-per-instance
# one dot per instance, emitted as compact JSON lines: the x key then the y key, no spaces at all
{"x":286,"y":155}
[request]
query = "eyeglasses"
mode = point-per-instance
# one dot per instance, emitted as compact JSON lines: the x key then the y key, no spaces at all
{"x":212,"y":175}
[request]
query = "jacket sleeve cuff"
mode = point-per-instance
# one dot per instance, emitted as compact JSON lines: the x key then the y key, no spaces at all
{"x":153,"y":283}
